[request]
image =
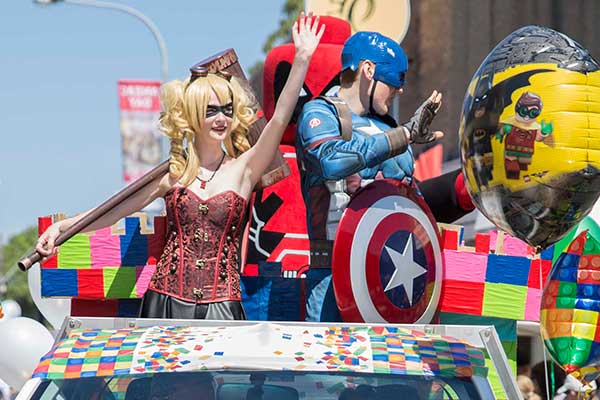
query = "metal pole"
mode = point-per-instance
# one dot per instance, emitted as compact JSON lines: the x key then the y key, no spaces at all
{"x":162,"y":47}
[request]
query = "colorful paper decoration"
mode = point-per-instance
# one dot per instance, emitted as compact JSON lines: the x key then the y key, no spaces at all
{"x":90,"y":352}
{"x":360,"y":349}
{"x":507,"y":332}
{"x":571,"y":306}
{"x":106,"y":264}
{"x":499,"y":277}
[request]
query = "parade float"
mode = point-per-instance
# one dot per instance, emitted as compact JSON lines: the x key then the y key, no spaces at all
{"x":529,"y":134}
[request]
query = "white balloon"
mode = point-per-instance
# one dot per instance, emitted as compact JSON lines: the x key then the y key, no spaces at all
{"x":4,"y":390}
{"x":10,"y":309}
{"x":54,"y":310}
{"x":24,"y":341}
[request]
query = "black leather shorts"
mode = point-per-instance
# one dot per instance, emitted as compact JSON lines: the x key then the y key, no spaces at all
{"x":158,"y":305}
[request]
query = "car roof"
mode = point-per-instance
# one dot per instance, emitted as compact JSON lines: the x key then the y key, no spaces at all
{"x":358,"y":348}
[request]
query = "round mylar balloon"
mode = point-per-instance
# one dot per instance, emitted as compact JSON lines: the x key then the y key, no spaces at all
{"x":530,"y":134}
{"x":571,"y":306}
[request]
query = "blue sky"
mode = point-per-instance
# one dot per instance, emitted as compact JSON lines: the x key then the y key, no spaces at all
{"x":59,"y":67}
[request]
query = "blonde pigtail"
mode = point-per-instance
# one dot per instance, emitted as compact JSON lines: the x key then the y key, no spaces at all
{"x":244,"y":103}
{"x":173,"y":123}
{"x":193,"y":162}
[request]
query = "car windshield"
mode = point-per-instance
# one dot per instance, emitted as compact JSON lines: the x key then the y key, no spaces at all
{"x":254,"y":385}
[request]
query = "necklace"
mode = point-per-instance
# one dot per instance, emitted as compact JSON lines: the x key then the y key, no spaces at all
{"x":204,"y":182}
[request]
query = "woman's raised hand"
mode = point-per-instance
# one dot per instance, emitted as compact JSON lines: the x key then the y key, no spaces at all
{"x":305,"y":35}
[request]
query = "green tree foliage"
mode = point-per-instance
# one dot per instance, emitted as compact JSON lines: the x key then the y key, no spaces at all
{"x":291,"y":9}
{"x":17,"y":287}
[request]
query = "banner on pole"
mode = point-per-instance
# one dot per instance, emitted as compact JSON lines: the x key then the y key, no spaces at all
{"x":139,"y":105}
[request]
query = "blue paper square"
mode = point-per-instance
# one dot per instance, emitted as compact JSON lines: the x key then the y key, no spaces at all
{"x":508,"y":269}
{"x":59,"y":282}
{"x":134,"y":245}
{"x":547,"y":254}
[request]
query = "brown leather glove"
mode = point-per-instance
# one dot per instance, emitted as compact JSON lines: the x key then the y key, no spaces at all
{"x":419,"y":124}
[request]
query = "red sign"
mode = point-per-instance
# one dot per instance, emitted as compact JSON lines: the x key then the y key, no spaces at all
{"x":139,"y":95}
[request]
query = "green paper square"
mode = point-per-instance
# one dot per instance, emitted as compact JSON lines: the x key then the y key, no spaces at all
{"x":510,"y":349}
{"x":494,"y":379}
{"x":119,"y":282}
{"x":504,"y":301}
{"x":75,"y":253}
{"x":55,"y":375}
{"x":59,"y":361}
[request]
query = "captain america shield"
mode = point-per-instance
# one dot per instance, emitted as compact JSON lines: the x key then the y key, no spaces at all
{"x":387,"y":261}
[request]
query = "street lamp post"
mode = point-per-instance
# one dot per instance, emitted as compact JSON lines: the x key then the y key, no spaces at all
{"x":127,"y":10}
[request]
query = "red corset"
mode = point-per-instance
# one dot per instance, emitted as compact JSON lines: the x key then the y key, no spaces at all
{"x":200,"y":262}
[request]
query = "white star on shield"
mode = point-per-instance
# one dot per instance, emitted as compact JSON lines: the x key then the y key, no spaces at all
{"x":406,"y":269}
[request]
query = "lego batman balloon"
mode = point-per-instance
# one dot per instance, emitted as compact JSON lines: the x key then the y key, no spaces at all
{"x":530,"y":135}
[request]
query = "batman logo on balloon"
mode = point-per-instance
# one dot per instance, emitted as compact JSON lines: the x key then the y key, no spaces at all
{"x":530,"y":129}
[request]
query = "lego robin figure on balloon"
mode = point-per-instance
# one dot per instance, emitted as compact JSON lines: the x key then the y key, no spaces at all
{"x":520,"y":132}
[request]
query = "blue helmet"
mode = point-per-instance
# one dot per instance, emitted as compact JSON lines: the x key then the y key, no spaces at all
{"x":390,"y":60}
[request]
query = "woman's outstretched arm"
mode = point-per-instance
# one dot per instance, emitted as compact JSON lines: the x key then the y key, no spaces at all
{"x":157,"y":188}
{"x":306,"y":38}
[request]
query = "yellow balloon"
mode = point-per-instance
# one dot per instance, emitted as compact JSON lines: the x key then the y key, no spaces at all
{"x":530,"y":135}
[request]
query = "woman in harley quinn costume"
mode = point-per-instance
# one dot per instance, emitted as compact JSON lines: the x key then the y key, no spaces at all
{"x":206,"y":193}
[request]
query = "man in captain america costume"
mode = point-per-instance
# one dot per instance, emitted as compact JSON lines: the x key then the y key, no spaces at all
{"x":335,"y":161}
